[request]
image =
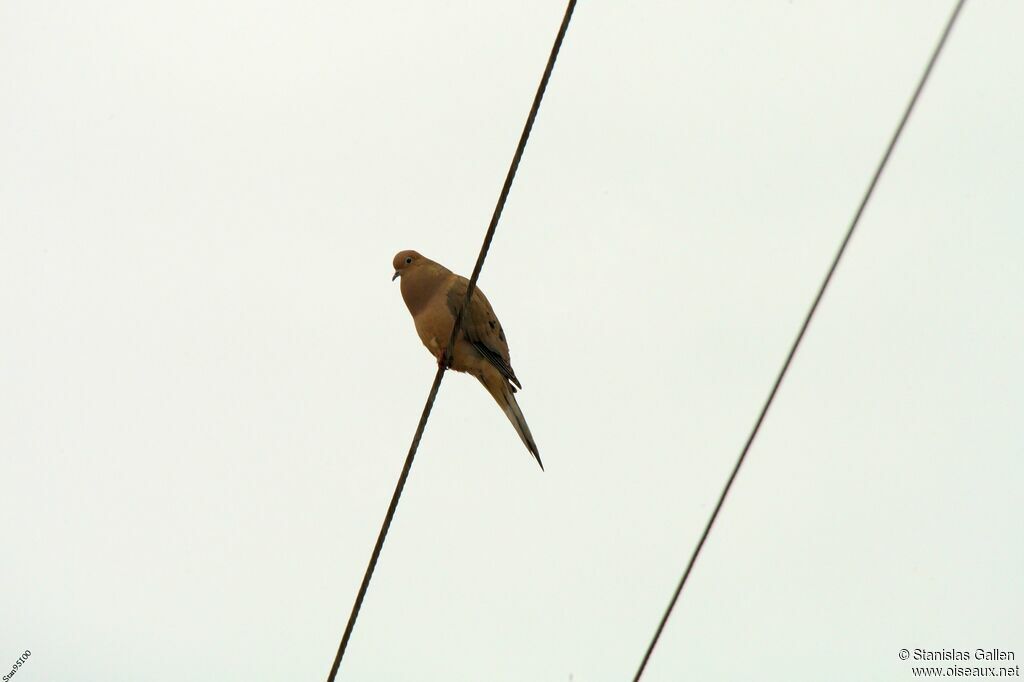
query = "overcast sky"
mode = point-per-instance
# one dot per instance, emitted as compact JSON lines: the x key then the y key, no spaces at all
{"x":208,"y":382}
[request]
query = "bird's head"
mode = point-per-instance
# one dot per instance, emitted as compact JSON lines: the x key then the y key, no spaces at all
{"x":404,"y":261}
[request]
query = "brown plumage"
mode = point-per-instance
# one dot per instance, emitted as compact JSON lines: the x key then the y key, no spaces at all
{"x":433,"y":295}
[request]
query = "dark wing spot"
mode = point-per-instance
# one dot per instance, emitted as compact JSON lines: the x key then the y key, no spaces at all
{"x":491,"y":322}
{"x":501,"y":333}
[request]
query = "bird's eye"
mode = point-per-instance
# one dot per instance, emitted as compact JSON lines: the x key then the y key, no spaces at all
{"x":408,"y":260}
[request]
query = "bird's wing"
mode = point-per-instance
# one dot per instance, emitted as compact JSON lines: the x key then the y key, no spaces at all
{"x":481,"y":327}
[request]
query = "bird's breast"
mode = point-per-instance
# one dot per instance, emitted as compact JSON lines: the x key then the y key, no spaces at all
{"x":434,"y":326}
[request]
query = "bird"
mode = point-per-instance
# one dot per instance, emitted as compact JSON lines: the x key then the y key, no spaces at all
{"x":433,"y":294}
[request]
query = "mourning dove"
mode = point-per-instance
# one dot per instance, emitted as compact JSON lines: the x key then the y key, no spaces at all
{"x":434,"y":294}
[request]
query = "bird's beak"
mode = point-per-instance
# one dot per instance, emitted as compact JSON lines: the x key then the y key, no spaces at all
{"x":395,"y":276}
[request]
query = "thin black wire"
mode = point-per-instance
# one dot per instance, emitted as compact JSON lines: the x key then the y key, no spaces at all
{"x":442,"y":366}
{"x":800,"y":335}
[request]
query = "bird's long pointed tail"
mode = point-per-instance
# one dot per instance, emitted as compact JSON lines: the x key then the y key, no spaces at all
{"x":502,"y":394}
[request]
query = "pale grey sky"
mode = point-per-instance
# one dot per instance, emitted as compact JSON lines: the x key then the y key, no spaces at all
{"x":208,"y":381}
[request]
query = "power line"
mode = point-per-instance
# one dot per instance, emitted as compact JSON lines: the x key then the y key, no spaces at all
{"x":803,"y":329}
{"x":442,"y":366}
